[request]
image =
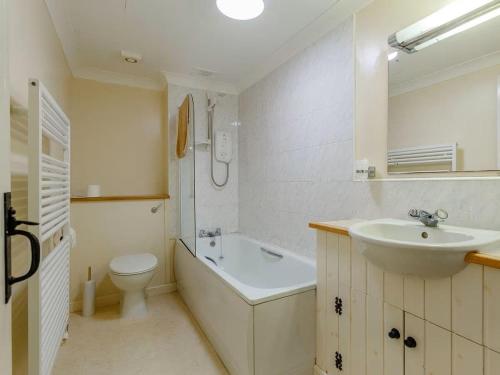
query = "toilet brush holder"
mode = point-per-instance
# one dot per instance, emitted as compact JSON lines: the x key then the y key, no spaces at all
{"x":89,"y":296}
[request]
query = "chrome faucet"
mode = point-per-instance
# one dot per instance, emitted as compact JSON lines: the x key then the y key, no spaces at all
{"x":206,"y":233}
{"x":428,"y":219}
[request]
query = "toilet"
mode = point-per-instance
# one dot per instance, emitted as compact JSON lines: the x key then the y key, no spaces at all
{"x":131,"y":274}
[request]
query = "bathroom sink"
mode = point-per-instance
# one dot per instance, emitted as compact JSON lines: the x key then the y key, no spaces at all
{"x":410,"y":248}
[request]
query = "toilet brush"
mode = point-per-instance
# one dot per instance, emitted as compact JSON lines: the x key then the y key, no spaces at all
{"x":89,"y":295}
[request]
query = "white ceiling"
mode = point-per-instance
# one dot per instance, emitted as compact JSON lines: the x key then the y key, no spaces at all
{"x":181,"y":36}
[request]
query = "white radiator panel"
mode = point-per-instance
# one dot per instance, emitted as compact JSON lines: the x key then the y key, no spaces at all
{"x":54,"y":303}
{"x":49,"y":205}
{"x":436,"y":154}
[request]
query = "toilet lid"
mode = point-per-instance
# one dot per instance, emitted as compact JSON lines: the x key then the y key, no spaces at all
{"x":133,"y":264}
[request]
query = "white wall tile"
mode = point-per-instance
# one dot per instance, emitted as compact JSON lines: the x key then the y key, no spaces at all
{"x":214,"y":207}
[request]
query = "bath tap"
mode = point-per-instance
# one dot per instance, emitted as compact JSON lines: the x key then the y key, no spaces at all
{"x":428,"y":219}
{"x":212,"y":234}
{"x":206,"y":233}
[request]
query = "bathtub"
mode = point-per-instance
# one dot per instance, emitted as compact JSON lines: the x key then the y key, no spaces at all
{"x":256,"y":304}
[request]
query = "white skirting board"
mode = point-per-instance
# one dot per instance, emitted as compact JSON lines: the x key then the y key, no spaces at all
{"x":114,"y":299}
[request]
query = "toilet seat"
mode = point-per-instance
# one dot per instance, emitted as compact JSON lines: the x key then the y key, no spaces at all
{"x":133,"y":264}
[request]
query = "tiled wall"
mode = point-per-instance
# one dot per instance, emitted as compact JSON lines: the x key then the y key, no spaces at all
{"x":214,"y":207}
{"x":296,"y":142}
{"x":296,"y":156}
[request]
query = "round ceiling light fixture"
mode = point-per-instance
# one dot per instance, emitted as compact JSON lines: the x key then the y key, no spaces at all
{"x":241,"y":9}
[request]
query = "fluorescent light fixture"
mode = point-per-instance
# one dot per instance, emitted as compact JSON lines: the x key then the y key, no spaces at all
{"x":391,"y":56}
{"x":241,"y":9}
{"x":448,"y":21}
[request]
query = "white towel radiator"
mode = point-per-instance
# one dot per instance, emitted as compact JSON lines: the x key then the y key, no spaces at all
{"x":436,"y":154}
{"x":49,"y":205}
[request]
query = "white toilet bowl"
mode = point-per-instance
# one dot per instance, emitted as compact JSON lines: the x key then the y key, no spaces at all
{"x":131,"y":274}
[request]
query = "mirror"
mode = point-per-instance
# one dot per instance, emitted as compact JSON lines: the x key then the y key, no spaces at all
{"x":444,"y":93}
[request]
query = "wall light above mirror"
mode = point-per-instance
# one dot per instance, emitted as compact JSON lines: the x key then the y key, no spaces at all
{"x":444,"y":91}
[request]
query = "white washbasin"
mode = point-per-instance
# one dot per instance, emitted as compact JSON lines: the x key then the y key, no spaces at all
{"x":411,"y":248}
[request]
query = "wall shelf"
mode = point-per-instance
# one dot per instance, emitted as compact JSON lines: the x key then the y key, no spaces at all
{"x":120,"y":198}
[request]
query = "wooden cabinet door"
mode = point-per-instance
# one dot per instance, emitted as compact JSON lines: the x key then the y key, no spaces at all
{"x":437,"y":350}
{"x":393,"y":340}
{"x":467,"y":357}
{"x":332,"y":303}
{"x":345,"y":330}
{"x":414,"y":341}
{"x":321,"y":300}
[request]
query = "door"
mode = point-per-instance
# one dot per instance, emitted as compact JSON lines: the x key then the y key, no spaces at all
{"x":5,"y":317}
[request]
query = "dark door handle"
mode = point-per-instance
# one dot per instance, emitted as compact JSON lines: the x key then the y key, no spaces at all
{"x":394,"y":334}
{"x":410,"y":342}
{"x":11,"y":224}
{"x":35,"y":255}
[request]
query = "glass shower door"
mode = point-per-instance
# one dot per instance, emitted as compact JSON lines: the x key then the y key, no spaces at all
{"x":187,"y":194}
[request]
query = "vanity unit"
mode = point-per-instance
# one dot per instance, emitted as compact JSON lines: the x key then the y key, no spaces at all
{"x":374,"y":322}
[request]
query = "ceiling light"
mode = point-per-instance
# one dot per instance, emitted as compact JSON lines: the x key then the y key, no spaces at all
{"x":391,"y":56}
{"x":131,"y":57}
{"x":452,"y":19}
{"x":241,"y":9}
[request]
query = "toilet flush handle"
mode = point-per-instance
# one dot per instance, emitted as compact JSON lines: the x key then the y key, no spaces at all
{"x":156,"y":208}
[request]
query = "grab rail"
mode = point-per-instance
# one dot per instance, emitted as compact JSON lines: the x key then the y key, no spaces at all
{"x":211,"y":260}
{"x":270,"y":252}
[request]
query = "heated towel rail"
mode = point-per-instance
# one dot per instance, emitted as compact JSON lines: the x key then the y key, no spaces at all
{"x":436,"y":154}
{"x":49,"y":205}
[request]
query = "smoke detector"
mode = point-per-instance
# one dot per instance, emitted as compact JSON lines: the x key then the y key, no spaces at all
{"x":131,"y":57}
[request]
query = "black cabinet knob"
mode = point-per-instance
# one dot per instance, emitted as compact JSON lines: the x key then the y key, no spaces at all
{"x":410,"y":342}
{"x":394,"y":334}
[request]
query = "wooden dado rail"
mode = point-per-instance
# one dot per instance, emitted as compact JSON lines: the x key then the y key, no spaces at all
{"x":342,"y":228}
{"x":120,"y":198}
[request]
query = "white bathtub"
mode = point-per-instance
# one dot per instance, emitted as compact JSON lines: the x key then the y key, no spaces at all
{"x":256,"y":305}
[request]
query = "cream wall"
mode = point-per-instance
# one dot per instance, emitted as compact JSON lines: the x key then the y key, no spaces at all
{"x":373,"y":25}
{"x":36,"y":52}
{"x":117,"y":135}
{"x":109,"y":229}
{"x":450,"y":112}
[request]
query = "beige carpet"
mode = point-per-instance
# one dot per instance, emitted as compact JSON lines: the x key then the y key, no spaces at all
{"x":168,"y":342}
